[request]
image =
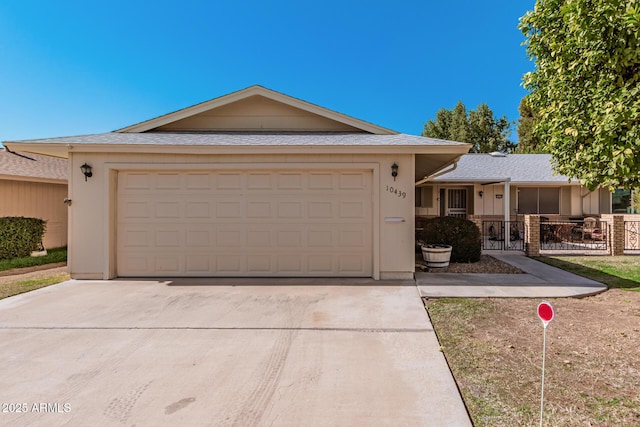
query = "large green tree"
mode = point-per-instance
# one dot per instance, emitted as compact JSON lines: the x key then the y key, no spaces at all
{"x":528,"y":141}
{"x":479,"y":127}
{"x":585,"y":87}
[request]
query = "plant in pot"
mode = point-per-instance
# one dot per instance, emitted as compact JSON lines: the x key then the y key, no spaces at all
{"x":449,"y":239}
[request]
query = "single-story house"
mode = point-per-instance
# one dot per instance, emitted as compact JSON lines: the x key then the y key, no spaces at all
{"x":498,"y":185}
{"x":254,"y":183}
{"x":33,"y":185}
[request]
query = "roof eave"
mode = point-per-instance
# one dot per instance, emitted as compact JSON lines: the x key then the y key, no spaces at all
{"x":46,"y":149}
{"x":63,"y":150}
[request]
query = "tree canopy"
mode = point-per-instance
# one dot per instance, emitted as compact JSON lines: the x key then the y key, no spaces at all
{"x":478,"y":127}
{"x":528,"y":142}
{"x":585,"y":87}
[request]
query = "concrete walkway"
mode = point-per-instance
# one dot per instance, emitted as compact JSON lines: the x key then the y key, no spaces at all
{"x":539,"y":281}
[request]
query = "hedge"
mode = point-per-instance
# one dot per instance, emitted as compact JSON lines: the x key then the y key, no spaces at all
{"x":19,"y":236}
{"x":463,"y":235}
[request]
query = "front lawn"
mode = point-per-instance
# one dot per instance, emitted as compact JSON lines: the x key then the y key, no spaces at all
{"x":494,"y":349}
{"x":10,"y":288}
{"x":621,"y":272}
{"x":53,"y":256}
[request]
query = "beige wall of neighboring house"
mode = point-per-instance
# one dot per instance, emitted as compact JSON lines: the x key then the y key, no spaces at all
{"x":33,"y":185}
{"x":37,"y":200}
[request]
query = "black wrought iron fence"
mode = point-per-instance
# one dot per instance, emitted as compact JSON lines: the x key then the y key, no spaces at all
{"x":631,"y":235}
{"x":503,"y":235}
{"x":574,"y":236}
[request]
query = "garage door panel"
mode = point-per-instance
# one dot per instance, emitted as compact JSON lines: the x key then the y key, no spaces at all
{"x":197,"y":264}
{"x":230,"y":263}
{"x":167,"y":264}
{"x":197,"y":210}
{"x":228,"y":181}
{"x":353,"y":181}
{"x":260,"y":209}
{"x":289,"y":209}
{"x":322,"y":264}
{"x":260,"y":263}
{"x":229,"y":238}
{"x":352,"y":263}
{"x":198,"y":181}
{"x":169,"y":181}
{"x":136,"y":264}
{"x":239,"y":223}
{"x":319,"y":209}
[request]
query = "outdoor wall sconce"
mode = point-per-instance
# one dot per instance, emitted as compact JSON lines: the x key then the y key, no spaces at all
{"x":394,"y":170}
{"x":480,"y":193}
{"x":86,"y":170}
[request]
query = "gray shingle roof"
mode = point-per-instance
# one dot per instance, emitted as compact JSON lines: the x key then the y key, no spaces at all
{"x":521,"y":168}
{"x":245,"y":139}
{"x":32,"y":166}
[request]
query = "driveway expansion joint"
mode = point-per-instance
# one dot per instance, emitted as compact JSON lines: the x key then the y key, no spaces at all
{"x":204,"y":328}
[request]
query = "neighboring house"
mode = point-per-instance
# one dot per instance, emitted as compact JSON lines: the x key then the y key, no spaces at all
{"x":254,"y":183}
{"x":33,"y":185}
{"x":500,"y":185}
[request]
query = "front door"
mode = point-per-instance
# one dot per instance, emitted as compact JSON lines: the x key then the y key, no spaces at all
{"x":456,"y":202}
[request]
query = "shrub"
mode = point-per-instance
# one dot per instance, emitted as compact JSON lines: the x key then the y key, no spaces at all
{"x":20,"y":236}
{"x":463,"y":235}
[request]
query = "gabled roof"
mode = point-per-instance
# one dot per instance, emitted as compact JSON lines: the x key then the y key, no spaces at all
{"x":520,"y":168}
{"x":203,"y":108}
{"x":32,"y":167}
{"x":239,"y":123}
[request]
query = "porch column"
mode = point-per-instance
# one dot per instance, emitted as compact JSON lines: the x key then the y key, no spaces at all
{"x":507,"y":201}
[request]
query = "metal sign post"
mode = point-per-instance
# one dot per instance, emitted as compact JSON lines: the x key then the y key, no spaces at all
{"x":546,"y":314}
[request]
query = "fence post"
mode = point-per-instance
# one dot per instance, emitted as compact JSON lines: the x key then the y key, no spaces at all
{"x":532,"y":235}
{"x":616,"y":233}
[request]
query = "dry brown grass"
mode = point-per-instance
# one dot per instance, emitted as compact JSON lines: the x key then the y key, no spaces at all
{"x":494,"y":348}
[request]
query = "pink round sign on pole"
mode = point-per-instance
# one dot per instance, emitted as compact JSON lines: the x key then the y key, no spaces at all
{"x":545,"y":312}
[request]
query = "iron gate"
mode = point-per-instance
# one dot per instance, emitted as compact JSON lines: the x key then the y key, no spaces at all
{"x":503,"y":235}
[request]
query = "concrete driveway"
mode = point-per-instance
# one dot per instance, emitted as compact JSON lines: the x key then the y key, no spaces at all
{"x":182,"y":353}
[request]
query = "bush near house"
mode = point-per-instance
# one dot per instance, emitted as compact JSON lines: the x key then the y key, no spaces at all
{"x":463,"y":235}
{"x":19,"y":236}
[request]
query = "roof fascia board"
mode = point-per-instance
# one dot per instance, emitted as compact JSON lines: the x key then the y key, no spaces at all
{"x":63,"y":150}
{"x":46,"y":149}
{"x":259,"y":149}
{"x":252,"y":91}
{"x":32,"y":179}
{"x":496,"y":181}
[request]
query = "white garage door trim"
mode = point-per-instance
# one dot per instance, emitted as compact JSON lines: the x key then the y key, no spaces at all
{"x":343,"y":168}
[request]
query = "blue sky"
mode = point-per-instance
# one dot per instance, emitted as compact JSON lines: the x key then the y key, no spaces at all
{"x":76,"y":67}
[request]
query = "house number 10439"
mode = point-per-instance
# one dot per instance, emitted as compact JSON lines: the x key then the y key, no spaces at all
{"x":397,"y":192}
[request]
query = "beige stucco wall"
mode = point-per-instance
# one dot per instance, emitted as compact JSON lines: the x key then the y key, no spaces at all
{"x":594,"y":202}
{"x":92,"y":233}
{"x":257,"y":113}
{"x":574,"y":200}
{"x":37,"y":200}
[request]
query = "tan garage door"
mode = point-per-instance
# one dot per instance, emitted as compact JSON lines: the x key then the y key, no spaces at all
{"x":244,"y":223}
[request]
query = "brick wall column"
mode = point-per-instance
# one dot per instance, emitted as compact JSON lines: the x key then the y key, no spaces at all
{"x":532,"y":235}
{"x":615,"y":233}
